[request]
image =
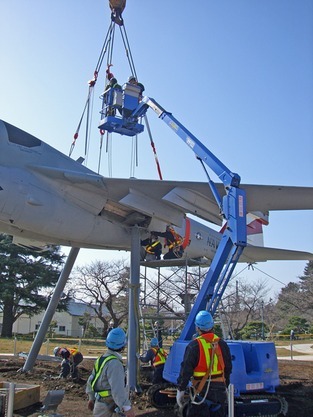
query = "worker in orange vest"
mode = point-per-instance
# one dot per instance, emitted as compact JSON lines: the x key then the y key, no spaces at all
{"x":157,"y":357}
{"x":207,"y":363}
{"x":173,"y":241}
{"x":71,"y":359}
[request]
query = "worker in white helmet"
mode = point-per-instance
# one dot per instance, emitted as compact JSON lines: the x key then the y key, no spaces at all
{"x":71,"y":358}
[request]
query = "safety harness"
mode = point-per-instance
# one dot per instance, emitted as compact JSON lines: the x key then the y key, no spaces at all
{"x":211,"y":355}
{"x":178,"y":240}
{"x":151,"y":247}
{"x":99,"y":365}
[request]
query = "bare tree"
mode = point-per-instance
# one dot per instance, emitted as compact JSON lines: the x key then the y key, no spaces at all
{"x":103,"y":286}
{"x":173,"y":291}
{"x":243,"y":303}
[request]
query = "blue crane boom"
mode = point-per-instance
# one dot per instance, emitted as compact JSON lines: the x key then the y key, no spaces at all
{"x":232,"y":207}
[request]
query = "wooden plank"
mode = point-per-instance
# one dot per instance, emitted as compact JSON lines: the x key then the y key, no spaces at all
{"x":24,"y":394}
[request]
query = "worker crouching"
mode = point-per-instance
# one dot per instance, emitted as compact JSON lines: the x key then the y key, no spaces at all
{"x":71,"y":359}
{"x":157,"y":357}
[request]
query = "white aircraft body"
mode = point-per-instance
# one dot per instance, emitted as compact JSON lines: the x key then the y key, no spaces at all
{"x":48,"y":198}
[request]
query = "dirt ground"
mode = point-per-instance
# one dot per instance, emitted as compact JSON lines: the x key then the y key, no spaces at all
{"x":296,"y":386}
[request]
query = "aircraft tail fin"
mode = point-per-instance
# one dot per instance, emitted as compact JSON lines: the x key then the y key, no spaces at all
{"x":255,"y":233}
{"x":255,"y":222}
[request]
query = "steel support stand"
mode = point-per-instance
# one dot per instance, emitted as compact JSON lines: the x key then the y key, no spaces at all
{"x":52,"y":306}
{"x":133,"y":313}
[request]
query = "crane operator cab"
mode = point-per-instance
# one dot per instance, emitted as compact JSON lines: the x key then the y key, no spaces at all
{"x":118,"y":105}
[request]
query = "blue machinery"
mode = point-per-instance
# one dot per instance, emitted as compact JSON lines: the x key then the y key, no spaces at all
{"x":255,"y":367}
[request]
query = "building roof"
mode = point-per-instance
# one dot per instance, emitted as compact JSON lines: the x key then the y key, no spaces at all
{"x":75,"y":308}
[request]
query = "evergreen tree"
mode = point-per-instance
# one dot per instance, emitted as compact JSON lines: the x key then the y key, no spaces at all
{"x":306,"y":284}
{"x":296,"y":299}
{"x":23,"y":276}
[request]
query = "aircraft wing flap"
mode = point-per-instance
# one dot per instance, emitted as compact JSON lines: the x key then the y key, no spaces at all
{"x":153,"y":208}
{"x":35,"y":245}
{"x":194,"y":203}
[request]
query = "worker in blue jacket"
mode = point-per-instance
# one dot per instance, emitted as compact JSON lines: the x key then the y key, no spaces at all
{"x":156,"y":356}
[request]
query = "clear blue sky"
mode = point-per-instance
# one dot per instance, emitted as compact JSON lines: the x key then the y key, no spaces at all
{"x":237,"y":74}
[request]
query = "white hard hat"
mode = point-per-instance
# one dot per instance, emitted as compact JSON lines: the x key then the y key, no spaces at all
{"x":56,"y":350}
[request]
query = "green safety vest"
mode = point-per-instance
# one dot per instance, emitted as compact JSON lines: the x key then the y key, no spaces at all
{"x":99,"y":365}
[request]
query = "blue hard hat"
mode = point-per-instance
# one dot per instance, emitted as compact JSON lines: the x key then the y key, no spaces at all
{"x":116,"y":339}
{"x":154,"y":342}
{"x":204,"y":320}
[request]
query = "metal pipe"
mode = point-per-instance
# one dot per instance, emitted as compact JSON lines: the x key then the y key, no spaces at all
{"x":10,"y":404}
{"x":231,"y":405}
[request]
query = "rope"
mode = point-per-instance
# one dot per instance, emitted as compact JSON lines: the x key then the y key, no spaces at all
{"x":134,"y":155}
{"x":197,"y":391}
{"x":109,"y":152}
{"x":100,"y":150}
{"x":153,"y":148}
{"x":90,"y":91}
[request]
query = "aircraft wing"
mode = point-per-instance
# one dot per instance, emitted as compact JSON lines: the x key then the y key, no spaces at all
{"x":46,"y":195}
{"x":150,"y":196}
{"x":251,"y":254}
{"x":168,"y":201}
{"x":261,"y":254}
{"x":128,"y":200}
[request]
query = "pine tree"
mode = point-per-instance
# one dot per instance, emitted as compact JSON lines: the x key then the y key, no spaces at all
{"x":24,"y":274}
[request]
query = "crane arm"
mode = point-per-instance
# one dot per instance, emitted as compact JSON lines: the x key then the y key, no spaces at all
{"x":233,"y":208}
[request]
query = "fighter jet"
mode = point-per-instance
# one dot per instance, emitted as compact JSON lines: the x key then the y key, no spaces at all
{"x":48,"y":198}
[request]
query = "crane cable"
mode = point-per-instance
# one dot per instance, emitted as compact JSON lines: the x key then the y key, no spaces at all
{"x":108,"y":47}
{"x":133,"y":71}
{"x":109,"y":75}
{"x":91,"y":84}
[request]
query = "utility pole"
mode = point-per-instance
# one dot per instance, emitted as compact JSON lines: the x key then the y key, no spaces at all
{"x":262,"y":318}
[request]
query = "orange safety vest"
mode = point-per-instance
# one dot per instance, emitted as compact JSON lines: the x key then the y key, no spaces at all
{"x":73,"y":351}
{"x":209,"y":349}
{"x":160,"y":356}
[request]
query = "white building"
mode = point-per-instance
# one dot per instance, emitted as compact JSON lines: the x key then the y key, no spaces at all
{"x":67,"y":321}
